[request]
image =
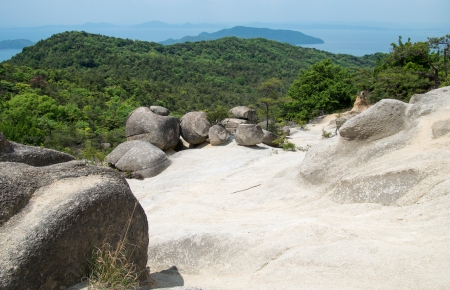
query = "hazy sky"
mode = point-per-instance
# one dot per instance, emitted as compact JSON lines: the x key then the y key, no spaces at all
{"x":45,"y":12}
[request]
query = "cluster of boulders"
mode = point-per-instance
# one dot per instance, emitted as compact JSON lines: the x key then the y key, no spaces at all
{"x":242,"y":115}
{"x":54,"y":211}
{"x":151,"y":132}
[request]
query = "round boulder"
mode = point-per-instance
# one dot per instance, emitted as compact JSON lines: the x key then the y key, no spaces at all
{"x":145,"y":125}
{"x":195,"y":127}
{"x":269,"y":137}
{"x":141,"y":158}
{"x":160,"y":110}
{"x":384,"y":119}
{"x":249,"y":134}
{"x":52,"y":217}
{"x":243,"y":112}
{"x":286,"y":130}
{"x":218,"y":135}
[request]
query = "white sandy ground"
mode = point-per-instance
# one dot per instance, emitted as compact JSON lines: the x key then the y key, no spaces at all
{"x":234,"y":217}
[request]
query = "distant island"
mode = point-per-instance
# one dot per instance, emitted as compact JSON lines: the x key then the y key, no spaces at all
{"x":286,"y":36}
{"x":15,"y":44}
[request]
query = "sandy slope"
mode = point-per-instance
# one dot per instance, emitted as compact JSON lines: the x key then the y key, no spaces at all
{"x":232,"y":217}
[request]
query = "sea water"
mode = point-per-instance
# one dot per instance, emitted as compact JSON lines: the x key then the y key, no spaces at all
{"x":362,"y":42}
{"x":6,"y":54}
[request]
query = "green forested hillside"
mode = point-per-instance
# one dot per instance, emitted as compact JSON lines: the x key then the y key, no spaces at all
{"x":189,"y":76}
{"x":74,"y":90}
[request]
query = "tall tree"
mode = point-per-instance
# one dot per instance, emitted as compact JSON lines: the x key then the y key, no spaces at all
{"x":416,"y":57}
{"x":442,"y":44}
{"x":271,"y":91}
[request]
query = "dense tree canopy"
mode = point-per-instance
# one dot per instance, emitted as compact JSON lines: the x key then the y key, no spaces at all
{"x":323,"y":87}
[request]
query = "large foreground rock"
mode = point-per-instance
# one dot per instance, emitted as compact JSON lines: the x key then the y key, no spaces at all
{"x":140,"y":158}
{"x":145,"y":125}
{"x":388,"y":154}
{"x":218,"y":135}
{"x":195,"y":127}
{"x":249,"y":135}
{"x":51,"y":219}
{"x":31,"y":155}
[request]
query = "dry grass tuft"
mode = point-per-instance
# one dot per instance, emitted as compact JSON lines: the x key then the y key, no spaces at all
{"x":110,"y":268}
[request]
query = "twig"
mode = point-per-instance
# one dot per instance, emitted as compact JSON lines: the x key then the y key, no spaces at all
{"x":246,"y":189}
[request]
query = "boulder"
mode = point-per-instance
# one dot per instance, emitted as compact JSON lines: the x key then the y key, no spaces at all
{"x":269,"y":137}
{"x":286,"y":130}
{"x":31,"y":155}
{"x":440,"y":128}
{"x":195,"y":127}
{"x":249,"y":134}
{"x":243,"y":112}
{"x":141,"y":158}
{"x":161,"y":131}
{"x":385,"y":118}
{"x":160,"y":110}
{"x":218,"y":135}
{"x":53,"y":217}
{"x":231,"y":124}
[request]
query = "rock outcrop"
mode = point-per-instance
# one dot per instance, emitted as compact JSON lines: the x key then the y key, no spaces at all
{"x":31,"y":155}
{"x":359,"y":106}
{"x":218,"y":135}
{"x":195,"y":127}
{"x":161,"y":131}
{"x":249,"y":134}
{"x":383,"y":155}
{"x":140,"y":158}
{"x":51,"y":219}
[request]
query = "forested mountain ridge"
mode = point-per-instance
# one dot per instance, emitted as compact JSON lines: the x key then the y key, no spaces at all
{"x":74,"y":90}
{"x":281,"y":35}
{"x":15,"y":44}
{"x":188,"y":76}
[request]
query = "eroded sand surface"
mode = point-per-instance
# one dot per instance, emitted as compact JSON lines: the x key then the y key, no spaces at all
{"x":233,"y":217}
